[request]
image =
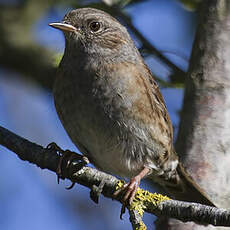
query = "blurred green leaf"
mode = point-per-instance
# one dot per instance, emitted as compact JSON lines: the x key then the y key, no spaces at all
{"x":57,"y":58}
{"x":191,"y":4}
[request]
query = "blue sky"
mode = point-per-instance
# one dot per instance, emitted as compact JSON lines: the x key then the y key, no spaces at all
{"x":30,"y":197}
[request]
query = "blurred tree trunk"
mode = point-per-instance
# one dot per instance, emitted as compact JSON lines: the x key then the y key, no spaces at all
{"x":204,"y":135}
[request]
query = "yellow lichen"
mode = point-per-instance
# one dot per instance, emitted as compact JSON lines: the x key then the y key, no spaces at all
{"x":120,"y":184}
{"x":150,"y":197}
{"x":142,"y":226}
{"x":142,"y":198}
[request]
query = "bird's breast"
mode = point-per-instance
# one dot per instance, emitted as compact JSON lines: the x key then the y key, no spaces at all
{"x":93,"y":116}
{"x":101,"y":112}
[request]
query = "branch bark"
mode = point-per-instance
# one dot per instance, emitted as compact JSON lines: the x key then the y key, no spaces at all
{"x":155,"y":204}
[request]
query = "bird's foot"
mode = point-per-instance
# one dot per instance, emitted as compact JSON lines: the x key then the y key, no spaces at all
{"x":129,"y":189}
{"x":66,"y":158}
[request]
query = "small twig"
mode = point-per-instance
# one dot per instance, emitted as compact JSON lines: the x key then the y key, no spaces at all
{"x":136,"y":220}
{"x":145,"y":201}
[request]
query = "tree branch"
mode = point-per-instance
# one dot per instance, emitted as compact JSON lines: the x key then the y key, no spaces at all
{"x":145,"y":201}
{"x":19,"y":52}
{"x":40,"y":70}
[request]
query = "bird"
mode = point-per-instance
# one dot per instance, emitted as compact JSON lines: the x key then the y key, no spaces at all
{"x":112,"y":109}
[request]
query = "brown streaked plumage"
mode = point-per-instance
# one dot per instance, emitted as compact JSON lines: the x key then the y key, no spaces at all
{"x":112,"y":108}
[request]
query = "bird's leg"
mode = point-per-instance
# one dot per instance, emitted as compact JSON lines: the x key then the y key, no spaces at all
{"x":68,"y":156}
{"x":130,"y":188}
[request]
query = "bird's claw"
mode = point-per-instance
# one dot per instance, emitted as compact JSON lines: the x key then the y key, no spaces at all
{"x":129,"y":190}
{"x":67,"y":157}
{"x":71,"y":186}
{"x":53,"y":146}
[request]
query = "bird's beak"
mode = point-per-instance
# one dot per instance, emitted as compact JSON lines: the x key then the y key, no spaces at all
{"x":63,"y":26}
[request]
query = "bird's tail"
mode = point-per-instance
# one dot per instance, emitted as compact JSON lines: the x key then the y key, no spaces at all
{"x":188,"y":190}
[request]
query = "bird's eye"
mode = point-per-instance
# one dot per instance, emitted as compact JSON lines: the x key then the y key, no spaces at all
{"x":95,"y":26}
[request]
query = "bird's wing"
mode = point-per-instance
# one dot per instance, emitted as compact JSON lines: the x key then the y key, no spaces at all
{"x":155,"y":114}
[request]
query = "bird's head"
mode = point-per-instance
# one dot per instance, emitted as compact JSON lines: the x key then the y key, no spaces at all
{"x":95,"y":32}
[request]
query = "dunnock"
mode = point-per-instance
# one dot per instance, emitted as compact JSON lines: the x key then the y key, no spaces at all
{"x":111,"y":106}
